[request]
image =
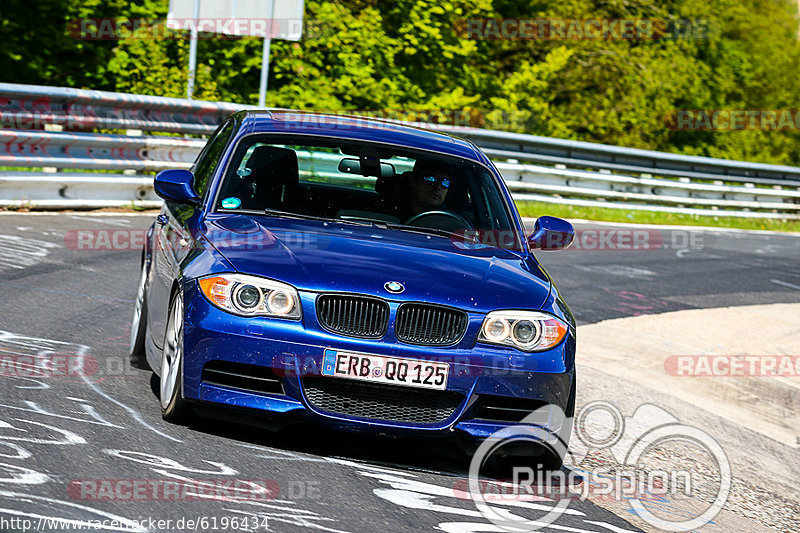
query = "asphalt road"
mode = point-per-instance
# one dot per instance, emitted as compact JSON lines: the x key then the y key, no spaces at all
{"x":67,"y":441}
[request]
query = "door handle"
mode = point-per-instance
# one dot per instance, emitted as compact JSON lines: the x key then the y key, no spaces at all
{"x":162,"y":219}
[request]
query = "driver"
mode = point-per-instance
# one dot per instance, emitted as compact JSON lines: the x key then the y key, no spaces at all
{"x":429,"y":184}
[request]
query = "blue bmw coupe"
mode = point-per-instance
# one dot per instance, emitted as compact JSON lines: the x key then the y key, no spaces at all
{"x":355,"y":273}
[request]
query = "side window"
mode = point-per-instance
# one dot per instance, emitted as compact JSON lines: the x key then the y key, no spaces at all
{"x":209,"y":158}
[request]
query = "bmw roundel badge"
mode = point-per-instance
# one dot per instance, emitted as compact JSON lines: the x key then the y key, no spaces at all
{"x":395,"y":287}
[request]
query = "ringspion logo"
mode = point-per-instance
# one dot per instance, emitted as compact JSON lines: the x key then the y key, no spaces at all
{"x":649,"y":432}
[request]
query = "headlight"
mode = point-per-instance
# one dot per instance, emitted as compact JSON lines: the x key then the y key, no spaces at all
{"x":527,"y":330}
{"x":251,"y":296}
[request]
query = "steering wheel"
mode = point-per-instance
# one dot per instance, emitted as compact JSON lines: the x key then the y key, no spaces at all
{"x":454,"y":216}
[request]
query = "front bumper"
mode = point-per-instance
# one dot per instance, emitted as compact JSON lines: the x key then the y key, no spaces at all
{"x":293,"y":350}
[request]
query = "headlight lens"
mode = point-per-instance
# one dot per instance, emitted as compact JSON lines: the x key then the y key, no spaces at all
{"x":495,"y":330}
{"x":527,"y":330}
{"x":248,"y":297}
{"x":251,"y":296}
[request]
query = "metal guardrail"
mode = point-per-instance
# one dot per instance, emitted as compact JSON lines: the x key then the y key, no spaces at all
{"x":601,"y":175}
{"x":505,"y":145}
{"x":34,"y":106}
{"x":75,"y":191}
{"x":95,"y":151}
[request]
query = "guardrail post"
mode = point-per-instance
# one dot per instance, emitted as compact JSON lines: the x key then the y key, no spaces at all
{"x":132,"y":133}
{"x":54,"y":128}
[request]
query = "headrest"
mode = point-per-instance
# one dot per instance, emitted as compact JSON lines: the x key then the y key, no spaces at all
{"x":271,"y":165}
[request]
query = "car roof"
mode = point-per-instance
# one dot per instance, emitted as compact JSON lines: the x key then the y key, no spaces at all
{"x":357,"y":128}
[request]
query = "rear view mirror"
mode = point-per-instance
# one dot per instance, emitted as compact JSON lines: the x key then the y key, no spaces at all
{"x":351,"y":165}
{"x":551,"y":233}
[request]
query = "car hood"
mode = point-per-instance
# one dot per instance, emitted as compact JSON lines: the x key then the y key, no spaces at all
{"x":320,"y":256}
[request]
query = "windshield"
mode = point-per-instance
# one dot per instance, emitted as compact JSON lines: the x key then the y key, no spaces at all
{"x":366,"y":183}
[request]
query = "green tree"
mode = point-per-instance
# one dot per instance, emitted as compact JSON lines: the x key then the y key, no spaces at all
{"x":361,"y":55}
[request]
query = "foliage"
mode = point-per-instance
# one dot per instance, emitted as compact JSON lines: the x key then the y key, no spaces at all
{"x":361,"y":55}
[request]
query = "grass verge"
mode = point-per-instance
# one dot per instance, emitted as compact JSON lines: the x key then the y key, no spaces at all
{"x":535,"y":209}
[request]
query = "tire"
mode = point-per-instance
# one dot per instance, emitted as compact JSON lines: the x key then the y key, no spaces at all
{"x":173,"y":407}
{"x":137,"y":353}
{"x":545,"y":457}
{"x":542,"y":458}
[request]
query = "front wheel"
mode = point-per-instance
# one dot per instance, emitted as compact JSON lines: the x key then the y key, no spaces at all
{"x":540,"y":458}
{"x":173,"y":407}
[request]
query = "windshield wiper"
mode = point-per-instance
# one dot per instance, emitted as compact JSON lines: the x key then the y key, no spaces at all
{"x":288,"y":214}
{"x":363,"y":223}
{"x":421,"y":229}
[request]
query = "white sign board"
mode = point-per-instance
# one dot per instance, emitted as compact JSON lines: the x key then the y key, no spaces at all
{"x":240,"y":17}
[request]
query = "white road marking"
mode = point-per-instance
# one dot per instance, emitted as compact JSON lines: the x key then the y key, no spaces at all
{"x":617,"y":270}
{"x":430,"y":490}
{"x":100,"y":521}
{"x":123,"y":223}
{"x":406,"y":490}
{"x":22,"y":253}
{"x":69,"y":438}
{"x":22,"y":453}
{"x":768,"y":249}
{"x":33,"y":346}
{"x":170,"y":464}
{"x":306,"y":520}
{"x":280,"y":455}
{"x":786,"y":284}
{"x":700,"y":255}
{"x":19,"y":475}
{"x":609,"y":527}
{"x":33,"y":407}
{"x":369,"y":467}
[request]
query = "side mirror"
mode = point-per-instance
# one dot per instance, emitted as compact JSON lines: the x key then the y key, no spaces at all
{"x":176,"y":186}
{"x":551,"y":233}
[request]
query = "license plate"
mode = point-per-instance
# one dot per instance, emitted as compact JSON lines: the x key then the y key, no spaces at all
{"x":389,"y":370}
